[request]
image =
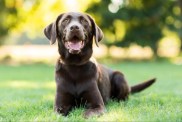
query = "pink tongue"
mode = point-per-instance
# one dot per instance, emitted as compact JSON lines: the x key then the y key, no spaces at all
{"x":75,"y":45}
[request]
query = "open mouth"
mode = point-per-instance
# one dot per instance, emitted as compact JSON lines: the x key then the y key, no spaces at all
{"x":74,"y":45}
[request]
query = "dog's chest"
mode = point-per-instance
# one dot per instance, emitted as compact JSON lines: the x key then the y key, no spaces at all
{"x":76,"y":79}
{"x":79,"y":73}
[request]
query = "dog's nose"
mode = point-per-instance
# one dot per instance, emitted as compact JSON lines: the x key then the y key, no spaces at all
{"x":74,"y":27}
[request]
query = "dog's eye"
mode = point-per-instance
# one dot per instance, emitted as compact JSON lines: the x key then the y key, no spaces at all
{"x":84,"y":21}
{"x":65,"y":20}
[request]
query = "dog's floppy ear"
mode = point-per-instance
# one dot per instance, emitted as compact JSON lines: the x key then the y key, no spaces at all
{"x":51,"y":30}
{"x":97,"y":32}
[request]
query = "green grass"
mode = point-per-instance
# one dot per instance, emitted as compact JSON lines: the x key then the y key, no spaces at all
{"x":27,"y":93}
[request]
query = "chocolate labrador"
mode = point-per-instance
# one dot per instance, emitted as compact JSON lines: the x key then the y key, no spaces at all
{"x":80,"y":80}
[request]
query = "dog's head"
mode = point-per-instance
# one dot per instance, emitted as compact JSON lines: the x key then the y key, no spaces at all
{"x":74,"y":31}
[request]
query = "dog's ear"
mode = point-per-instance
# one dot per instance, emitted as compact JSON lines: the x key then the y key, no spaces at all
{"x":51,"y":30}
{"x":97,"y":32}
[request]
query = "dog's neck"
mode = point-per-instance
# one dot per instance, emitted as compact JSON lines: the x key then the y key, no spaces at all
{"x":75,"y":63}
{"x":75,"y":59}
{"x":92,"y":59}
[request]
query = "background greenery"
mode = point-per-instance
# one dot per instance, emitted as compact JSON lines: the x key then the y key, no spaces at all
{"x":124,"y":22}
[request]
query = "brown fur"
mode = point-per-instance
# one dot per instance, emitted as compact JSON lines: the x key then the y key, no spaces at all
{"x":80,"y":80}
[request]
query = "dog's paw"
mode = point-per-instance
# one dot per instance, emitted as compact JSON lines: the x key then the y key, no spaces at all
{"x":62,"y":111}
{"x":93,"y":112}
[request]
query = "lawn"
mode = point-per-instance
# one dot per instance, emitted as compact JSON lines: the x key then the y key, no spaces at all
{"x":27,"y":93}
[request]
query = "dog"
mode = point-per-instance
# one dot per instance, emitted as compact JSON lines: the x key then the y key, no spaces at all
{"x":80,"y":80}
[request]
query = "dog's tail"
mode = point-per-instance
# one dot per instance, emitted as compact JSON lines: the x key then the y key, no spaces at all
{"x":142,"y":86}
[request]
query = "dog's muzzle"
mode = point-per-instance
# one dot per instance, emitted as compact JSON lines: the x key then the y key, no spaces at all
{"x":74,"y":40}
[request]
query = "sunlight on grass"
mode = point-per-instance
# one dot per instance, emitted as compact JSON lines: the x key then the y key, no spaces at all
{"x":29,"y":96}
{"x":115,"y":116}
{"x":26,"y":84}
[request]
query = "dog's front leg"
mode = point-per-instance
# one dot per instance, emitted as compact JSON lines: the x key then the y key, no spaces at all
{"x":95,"y":104}
{"x":63,"y":103}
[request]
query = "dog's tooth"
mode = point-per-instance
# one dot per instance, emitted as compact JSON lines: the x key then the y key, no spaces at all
{"x":82,"y":44}
{"x":70,"y":50}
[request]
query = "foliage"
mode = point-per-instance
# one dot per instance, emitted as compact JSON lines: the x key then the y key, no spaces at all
{"x":28,"y":95}
{"x":144,"y":20}
{"x":25,"y":16}
{"x":8,"y":15}
{"x":29,"y":17}
{"x":124,"y":22}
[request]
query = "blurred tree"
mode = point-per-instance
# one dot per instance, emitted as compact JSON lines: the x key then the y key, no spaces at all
{"x":180,"y":19}
{"x":143,"y":20}
{"x":123,"y":21}
{"x":8,"y":17}
{"x":29,"y":17}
